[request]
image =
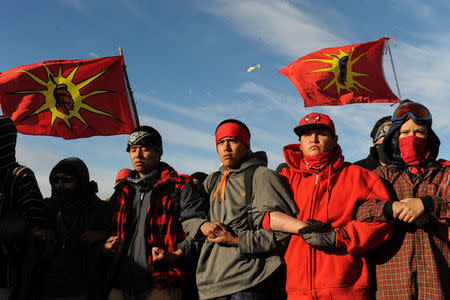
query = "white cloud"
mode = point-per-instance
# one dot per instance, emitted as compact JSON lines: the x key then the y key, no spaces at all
{"x":420,"y":9}
{"x":293,"y":29}
{"x":423,"y":76}
{"x":133,"y":7}
{"x":278,"y":101}
{"x":284,"y":28}
{"x":180,"y":135}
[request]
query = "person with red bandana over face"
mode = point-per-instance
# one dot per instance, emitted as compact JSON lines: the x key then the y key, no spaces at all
{"x":414,"y":264}
{"x":327,"y":259}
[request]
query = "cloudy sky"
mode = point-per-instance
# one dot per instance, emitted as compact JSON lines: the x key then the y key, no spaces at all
{"x":187,"y":63}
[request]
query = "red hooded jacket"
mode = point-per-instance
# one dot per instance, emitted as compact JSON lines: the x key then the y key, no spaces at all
{"x":332,"y":195}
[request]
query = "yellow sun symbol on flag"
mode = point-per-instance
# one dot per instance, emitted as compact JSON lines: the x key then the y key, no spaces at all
{"x":341,"y":67}
{"x":63,"y":97}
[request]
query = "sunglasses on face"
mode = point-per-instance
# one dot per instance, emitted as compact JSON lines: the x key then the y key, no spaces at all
{"x":415,"y":110}
{"x":64,"y":178}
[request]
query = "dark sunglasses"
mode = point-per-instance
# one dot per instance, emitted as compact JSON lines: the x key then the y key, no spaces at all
{"x":65,"y":179}
{"x":415,"y":110}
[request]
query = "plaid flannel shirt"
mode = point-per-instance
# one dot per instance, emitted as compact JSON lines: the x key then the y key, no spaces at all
{"x":414,"y":263}
{"x":163,"y":227}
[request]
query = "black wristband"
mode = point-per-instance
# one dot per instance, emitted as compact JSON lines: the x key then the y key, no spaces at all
{"x":387,"y":210}
{"x":428,"y":203}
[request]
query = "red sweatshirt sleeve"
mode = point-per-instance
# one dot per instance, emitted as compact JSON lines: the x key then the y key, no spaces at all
{"x":266,"y":221}
{"x":363,"y":236}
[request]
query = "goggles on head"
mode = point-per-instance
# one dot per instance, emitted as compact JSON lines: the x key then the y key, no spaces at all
{"x":413,"y":109}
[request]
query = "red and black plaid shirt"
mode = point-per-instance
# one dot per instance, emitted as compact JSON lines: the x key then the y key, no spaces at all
{"x":414,"y":263}
{"x":163,"y":228}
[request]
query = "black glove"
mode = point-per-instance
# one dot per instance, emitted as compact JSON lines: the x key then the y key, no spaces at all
{"x":322,"y":236}
{"x":315,"y":226}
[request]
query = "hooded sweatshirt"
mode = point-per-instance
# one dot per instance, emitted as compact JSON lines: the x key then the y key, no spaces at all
{"x":414,"y":262}
{"x":21,"y":209}
{"x":332,"y":195}
{"x":224,"y":270}
{"x":72,"y":267}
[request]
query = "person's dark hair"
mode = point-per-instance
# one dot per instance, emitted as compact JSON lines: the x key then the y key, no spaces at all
{"x":236,"y":122}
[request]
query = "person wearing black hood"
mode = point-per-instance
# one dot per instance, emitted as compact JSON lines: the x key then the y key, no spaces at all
{"x":22,"y":219}
{"x":413,"y":264}
{"x":376,"y":155}
{"x":71,"y":268}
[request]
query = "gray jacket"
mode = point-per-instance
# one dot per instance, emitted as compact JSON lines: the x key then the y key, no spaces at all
{"x":224,"y":270}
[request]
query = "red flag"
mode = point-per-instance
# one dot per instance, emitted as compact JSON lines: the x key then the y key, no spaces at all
{"x":342,"y":75}
{"x":68,"y":98}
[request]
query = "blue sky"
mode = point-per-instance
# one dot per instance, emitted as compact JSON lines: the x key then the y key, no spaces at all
{"x":187,"y":63}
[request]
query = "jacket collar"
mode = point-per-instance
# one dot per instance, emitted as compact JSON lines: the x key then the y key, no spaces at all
{"x":253,"y":158}
{"x":294,"y":159}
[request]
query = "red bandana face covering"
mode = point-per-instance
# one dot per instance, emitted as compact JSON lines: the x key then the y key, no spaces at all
{"x":318,"y":161}
{"x":413,"y":150}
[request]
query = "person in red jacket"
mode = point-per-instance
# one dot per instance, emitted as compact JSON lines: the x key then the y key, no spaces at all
{"x":327,"y":259}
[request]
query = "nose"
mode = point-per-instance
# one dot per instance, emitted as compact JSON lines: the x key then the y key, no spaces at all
{"x":59,"y":183}
{"x":138,"y":153}
{"x":315,"y":137}
{"x":227,"y":146}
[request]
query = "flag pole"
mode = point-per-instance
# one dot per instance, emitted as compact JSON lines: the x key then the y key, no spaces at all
{"x":133,"y":104}
{"x":393,"y":69}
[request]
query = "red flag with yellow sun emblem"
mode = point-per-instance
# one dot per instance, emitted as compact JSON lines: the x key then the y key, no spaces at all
{"x":68,"y":98}
{"x":342,"y":75}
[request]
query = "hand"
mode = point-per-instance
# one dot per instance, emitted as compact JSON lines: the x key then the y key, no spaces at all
{"x":92,"y":236}
{"x":314,"y":226}
{"x":111,"y":244}
{"x":408,"y":209}
{"x":321,"y":240}
{"x":211,"y":229}
{"x":320,"y":235}
{"x":224,"y":237}
{"x":163,"y":256}
{"x":44,"y":234}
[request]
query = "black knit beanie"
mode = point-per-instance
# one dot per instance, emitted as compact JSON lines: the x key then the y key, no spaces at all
{"x":146,"y":136}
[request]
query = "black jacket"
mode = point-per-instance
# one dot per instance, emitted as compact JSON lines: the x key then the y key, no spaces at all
{"x":71,"y":264}
{"x":371,"y":162}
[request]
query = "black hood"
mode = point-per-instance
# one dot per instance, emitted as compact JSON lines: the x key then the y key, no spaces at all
{"x":76,"y":167}
{"x":391,"y":146}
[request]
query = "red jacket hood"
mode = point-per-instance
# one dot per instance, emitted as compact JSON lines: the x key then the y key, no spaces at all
{"x":294,"y":158}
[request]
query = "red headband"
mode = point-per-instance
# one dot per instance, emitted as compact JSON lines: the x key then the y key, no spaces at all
{"x":233,"y":130}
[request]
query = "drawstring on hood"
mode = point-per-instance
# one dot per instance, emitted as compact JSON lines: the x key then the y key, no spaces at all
{"x":222,"y":184}
{"x":252,"y":158}
{"x":318,"y":164}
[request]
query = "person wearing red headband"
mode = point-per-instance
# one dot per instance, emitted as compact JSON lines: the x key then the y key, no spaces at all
{"x":414,"y":263}
{"x":240,"y":259}
{"x":328,"y":258}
